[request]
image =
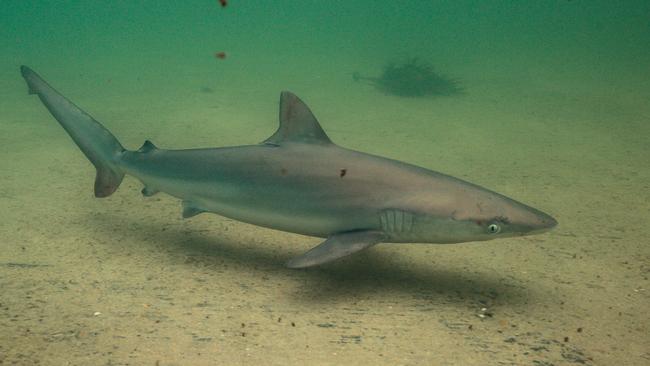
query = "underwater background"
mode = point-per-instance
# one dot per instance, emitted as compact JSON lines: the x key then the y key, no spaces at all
{"x":554,"y":112}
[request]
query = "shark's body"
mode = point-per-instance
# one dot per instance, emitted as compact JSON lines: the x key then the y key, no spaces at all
{"x":299,"y":181}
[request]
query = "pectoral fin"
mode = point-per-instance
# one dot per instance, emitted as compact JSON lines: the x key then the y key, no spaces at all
{"x":337,"y":246}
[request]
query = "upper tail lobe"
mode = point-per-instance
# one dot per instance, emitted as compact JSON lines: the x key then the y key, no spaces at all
{"x":95,"y":141}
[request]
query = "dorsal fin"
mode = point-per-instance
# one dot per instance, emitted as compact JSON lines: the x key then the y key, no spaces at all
{"x":147,"y":146}
{"x":297,"y":123}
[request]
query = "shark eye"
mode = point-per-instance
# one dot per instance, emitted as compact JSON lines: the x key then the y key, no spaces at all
{"x":493,"y":228}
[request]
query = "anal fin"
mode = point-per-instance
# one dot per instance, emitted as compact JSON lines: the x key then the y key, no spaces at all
{"x":148,"y":191}
{"x":337,"y":246}
{"x":190,"y":210}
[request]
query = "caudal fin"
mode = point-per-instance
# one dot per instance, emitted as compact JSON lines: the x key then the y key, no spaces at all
{"x":95,"y":141}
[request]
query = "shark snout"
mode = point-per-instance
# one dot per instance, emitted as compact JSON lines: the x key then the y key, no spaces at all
{"x":545,"y":222}
{"x":537,"y":221}
{"x":527,"y":220}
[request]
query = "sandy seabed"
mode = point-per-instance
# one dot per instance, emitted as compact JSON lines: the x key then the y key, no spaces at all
{"x":126,"y":281}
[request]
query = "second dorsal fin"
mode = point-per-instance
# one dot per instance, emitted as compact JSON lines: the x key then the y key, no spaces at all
{"x":297,"y":123}
{"x":147,"y":146}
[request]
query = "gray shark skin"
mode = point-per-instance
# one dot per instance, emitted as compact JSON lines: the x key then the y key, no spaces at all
{"x":299,"y":181}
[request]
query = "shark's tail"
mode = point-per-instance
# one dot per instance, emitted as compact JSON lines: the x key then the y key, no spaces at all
{"x":95,"y":141}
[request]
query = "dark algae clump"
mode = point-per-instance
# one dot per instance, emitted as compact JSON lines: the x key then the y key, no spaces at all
{"x":412,"y":78}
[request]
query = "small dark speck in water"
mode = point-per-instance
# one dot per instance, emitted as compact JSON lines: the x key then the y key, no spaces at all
{"x":207,"y":90}
{"x":343,"y":173}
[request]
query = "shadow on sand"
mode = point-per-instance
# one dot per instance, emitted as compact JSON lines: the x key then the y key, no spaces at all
{"x":365,"y":273}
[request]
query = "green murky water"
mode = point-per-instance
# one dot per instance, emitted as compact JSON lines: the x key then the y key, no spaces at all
{"x":554,"y":113}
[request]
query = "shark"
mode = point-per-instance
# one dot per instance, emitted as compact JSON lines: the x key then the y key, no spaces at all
{"x":299,"y":181}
